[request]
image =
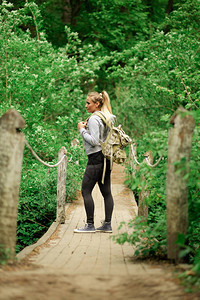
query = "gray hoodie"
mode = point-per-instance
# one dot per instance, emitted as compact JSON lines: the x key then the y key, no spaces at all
{"x":95,"y":133}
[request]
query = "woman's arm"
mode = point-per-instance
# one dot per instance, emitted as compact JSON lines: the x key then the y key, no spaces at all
{"x":91,"y":137}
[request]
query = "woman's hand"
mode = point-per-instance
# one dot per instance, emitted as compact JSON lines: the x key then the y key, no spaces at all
{"x":81,"y":125}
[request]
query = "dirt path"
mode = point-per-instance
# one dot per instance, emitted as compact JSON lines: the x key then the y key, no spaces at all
{"x":90,"y":266}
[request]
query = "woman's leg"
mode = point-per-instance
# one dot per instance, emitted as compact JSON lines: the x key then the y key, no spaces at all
{"x":107,"y":195}
{"x":89,"y":180}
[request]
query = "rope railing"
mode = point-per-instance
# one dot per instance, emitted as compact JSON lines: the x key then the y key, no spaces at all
{"x":146,"y":158}
{"x":61,"y":178}
{"x":154,"y":165}
{"x":40,"y":160}
{"x":144,"y":192}
{"x":134,"y":156}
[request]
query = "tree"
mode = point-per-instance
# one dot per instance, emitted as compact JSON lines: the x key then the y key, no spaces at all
{"x":115,"y":25}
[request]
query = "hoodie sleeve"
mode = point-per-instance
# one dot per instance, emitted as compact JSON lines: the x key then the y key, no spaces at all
{"x":92,"y":135}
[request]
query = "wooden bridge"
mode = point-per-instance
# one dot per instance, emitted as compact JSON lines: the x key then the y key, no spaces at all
{"x":68,"y":265}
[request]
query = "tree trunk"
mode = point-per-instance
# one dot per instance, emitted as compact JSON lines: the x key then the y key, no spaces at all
{"x":67,"y":12}
{"x":170,"y":6}
{"x":71,"y":9}
{"x":180,"y":142}
{"x":169,"y":9}
{"x":11,"y":155}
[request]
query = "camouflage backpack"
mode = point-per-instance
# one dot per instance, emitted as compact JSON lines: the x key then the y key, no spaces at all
{"x":116,"y":141}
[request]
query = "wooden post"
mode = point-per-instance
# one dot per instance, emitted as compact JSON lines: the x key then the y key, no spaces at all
{"x":131,"y":160}
{"x":11,"y":156}
{"x":143,"y":207}
{"x":61,"y":186}
{"x":179,"y":148}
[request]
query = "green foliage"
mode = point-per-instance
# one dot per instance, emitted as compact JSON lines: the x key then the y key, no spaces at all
{"x":186,"y":18}
{"x":193,"y":236}
{"x":37,"y":204}
{"x":116,"y":25}
{"x":149,"y":239}
{"x":152,"y":179}
{"x":191,"y":280}
{"x":5,"y":255}
{"x":156,"y":76}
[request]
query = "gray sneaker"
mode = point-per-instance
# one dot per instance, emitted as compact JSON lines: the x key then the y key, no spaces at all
{"x":88,"y":228}
{"x":106,"y":227}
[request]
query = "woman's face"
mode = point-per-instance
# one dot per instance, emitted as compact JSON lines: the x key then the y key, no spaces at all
{"x":91,"y":106}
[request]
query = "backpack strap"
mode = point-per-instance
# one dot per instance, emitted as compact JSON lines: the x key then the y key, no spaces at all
{"x":99,"y":114}
{"x":104,"y":171}
{"x":111,"y":159}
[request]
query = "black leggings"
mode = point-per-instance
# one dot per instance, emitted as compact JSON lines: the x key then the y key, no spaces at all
{"x":93,"y":174}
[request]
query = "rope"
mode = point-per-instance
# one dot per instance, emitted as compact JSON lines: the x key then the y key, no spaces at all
{"x":146,"y":158}
{"x":149,"y":164}
{"x":41,"y":161}
{"x":134,"y":155}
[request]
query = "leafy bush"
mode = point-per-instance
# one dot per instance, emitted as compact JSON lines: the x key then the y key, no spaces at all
{"x":149,"y":239}
{"x":5,"y":255}
{"x":114,"y":24}
{"x":154,"y":77}
{"x":37,"y":203}
{"x":149,"y":236}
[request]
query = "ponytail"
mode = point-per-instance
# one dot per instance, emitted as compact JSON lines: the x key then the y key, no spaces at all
{"x":106,"y":107}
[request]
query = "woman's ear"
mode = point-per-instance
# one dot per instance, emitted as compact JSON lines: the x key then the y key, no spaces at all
{"x":97,"y":104}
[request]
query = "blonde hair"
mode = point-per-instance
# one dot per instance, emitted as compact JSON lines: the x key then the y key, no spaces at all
{"x":104,"y":101}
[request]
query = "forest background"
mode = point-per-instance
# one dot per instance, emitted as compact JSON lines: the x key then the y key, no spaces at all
{"x":145,"y":54}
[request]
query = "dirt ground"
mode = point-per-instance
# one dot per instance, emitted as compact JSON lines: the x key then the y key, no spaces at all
{"x":24,"y":281}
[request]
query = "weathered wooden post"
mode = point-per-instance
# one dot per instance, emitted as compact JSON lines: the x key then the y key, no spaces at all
{"x":131,"y":160}
{"x":61,"y":186}
{"x":143,"y":207}
{"x":11,"y":156}
{"x":179,"y":144}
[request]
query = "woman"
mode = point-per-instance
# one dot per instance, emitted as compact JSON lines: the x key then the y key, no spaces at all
{"x":96,"y":131}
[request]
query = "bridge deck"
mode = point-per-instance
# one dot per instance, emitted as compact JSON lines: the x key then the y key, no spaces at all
{"x":93,"y":253}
